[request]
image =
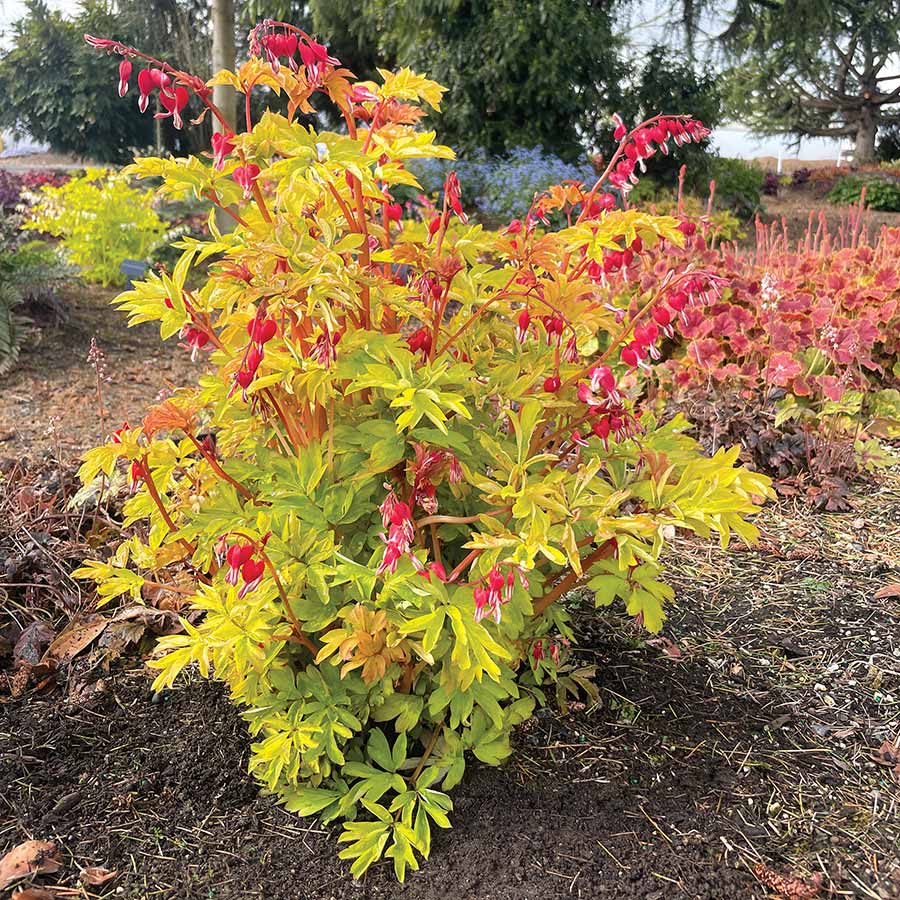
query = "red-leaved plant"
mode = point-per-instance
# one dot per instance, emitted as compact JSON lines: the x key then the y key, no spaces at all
{"x":813,"y":329}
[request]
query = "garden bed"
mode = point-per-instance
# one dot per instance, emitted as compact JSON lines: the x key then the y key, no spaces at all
{"x":747,"y":737}
{"x":751,"y":743}
{"x":50,"y":397}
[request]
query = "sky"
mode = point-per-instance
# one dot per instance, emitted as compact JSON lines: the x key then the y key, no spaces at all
{"x":645,"y":28}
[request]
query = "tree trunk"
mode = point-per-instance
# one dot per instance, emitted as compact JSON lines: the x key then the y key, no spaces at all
{"x":223,"y":58}
{"x":864,"y":150}
{"x":224,"y":96}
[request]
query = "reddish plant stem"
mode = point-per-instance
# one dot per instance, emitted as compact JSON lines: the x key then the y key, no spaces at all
{"x":261,"y":202}
{"x":154,"y":494}
{"x":228,"y":212}
{"x":604,"y":551}
{"x":245,"y":492}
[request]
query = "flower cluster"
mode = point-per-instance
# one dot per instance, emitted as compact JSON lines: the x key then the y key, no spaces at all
{"x":642,"y":143}
{"x":243,"y":567}
{"x":503,"y":188}
{"x":396,"y":516}
{"x":261,"y":330}
{"x":275,"y":41}
{"x":495,"y":590}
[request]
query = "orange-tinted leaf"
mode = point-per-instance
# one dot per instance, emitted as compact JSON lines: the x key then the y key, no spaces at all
{"x":30,"y":858}
{"x":95,"y":875}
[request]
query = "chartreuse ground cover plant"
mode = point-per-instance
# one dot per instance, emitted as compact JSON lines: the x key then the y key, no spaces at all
{"x":101,"y":221}
{"x":412,"y":442}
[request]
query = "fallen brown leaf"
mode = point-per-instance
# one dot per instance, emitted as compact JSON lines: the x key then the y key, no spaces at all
{"x":130,"y":623}
{"x":891,"y":589}
{"x":789,"y":888}
{"x":94,"y":875}
{"x":18,"y":681}
{"x":75,"y":637}
{"x":30,"y":858}
{"x":669,"y":647}
{"x":32,"y":641}
{"x":888,"y":754}
{"x":32,"y":893}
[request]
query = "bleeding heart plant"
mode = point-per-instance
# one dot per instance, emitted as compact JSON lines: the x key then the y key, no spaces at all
{"x":425,"y":438}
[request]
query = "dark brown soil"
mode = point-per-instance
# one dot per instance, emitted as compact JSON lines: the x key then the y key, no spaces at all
{"x":158,"y":791}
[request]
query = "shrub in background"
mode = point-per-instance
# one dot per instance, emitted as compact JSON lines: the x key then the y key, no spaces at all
{"x":880,"y":193}
{"x":30,"y":273}
{"x":738,"y":185}
{"x":771,"y":183}
{"x":101,"y":220}
{"x":412,"y":441}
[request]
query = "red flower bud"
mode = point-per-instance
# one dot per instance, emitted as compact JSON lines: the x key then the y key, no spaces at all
{"x":124,"y":76}
{"x":552,"y":384}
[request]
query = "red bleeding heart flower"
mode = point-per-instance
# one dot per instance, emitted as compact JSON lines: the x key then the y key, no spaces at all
{"x":277,"y":44}
{"x":236,"y":556}
{"x":261,"y":330}
{"x":252,"y":572}
{"x":222,"y":145}
{"x":397,"y":516}
{"x":420,"y":342}
{"x":174,"y":104}
{"x":124,"y":75}
{"x":316,"y":59}
{"x":148,"y":81}
{"x":245,"y":177}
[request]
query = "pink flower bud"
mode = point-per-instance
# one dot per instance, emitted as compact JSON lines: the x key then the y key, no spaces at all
{"x":124,"y":76}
